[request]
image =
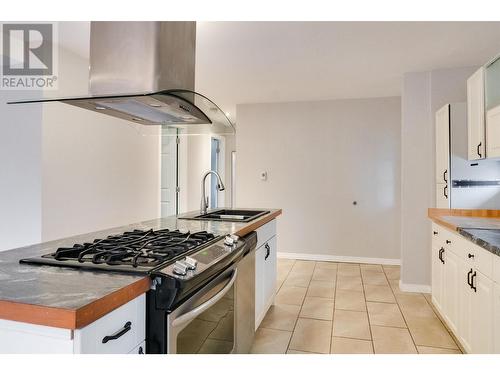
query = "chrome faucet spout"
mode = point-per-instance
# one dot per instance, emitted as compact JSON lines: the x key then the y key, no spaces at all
{"x":204,"y":198}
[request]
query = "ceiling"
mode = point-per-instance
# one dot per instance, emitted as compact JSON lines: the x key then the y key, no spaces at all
{"x":257,"y":62}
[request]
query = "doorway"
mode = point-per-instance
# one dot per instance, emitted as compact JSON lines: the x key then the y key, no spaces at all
{"x":214,"y":166}
{"x":169,"y":172}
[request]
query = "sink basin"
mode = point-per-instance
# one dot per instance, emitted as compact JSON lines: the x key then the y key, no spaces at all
{"x":242,"y":216}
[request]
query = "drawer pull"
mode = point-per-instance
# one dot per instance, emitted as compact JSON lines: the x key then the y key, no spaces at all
{"x":268,"y":251}
{"x":118,"y":334}
{"x":440,"y":256}
{"x":472,"y":285}
{"x":470,"y":255}
{"x":468,"y":278}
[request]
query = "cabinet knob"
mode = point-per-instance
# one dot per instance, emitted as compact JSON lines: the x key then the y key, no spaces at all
{"x":470,"y":255}
{"x":435,"y":233}
{"x":448,"y":241}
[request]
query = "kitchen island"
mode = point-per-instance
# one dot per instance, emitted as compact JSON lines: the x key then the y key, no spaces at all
{"x":63,"y":301}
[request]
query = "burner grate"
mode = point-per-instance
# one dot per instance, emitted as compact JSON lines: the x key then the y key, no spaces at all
{"x":137,"y":248}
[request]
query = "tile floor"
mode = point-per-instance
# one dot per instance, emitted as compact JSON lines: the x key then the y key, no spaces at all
{"x":345,"y":308}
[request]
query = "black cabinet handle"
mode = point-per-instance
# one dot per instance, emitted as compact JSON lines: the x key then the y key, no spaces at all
{"x":435,"y":233}
{"x":141,"y":350}
{"x":268,"y":251}
{"x":472,"y":285}
{"x":440,"y":256}
{"x":118,"y":334}
{"x":448,"y":241}
{"x":478,"y":149}
{"x":468,"y":278}
{"x":444,"y":175}
{"x":470,"y":255}
{"x":445,"y":191}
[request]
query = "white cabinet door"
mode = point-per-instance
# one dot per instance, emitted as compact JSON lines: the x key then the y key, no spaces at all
{"x":465,"y":308}
{"x":475,"y":116}
{"x":260,"y":253}
{"x":270,"y":266}
{"x":450,"y":289}
{"x":493,"y":132}
{"x":496,"y":319}
{"x":481,"y":314}
{"x":442,"y":196}
{"x":437,"y":278}
{"x":443,"y":145}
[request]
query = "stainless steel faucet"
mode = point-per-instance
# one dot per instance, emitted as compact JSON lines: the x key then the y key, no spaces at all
{"x":204,"y":198}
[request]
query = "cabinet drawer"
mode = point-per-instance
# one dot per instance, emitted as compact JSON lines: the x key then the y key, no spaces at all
{"x":133,"y":315}
{"x":475,"y":257}
{"x":265,"y":232}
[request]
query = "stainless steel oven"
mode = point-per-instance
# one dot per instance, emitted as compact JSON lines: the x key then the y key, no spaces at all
{"x":205,"y":322}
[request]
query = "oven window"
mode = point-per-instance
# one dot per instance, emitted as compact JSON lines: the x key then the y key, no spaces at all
{"x":212,"y":332}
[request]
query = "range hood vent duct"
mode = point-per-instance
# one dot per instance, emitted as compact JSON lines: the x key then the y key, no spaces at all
{"x":144,"y":72}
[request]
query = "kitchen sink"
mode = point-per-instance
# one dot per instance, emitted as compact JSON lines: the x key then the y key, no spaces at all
{"x":242,"y":216}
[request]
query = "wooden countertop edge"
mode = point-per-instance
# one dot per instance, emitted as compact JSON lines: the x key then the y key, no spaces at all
{"x":259,"y":222}
{"x":74,"y":319}
{"x":69,"y":318}
{"x":436,"y":215}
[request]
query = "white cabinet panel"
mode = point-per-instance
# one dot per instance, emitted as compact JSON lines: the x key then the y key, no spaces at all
{"x":475,"y":116}
{"x":450,"y":306}
{"x":493,"y":132}
{"x":464,"y":325}
{"x":260,"y":253}
{"x":481,"y":313}
{"x":265,"y":278}
{"x":270,"y":266}
{"x":443,"y":145}
{"x":496,"y":319}
{"x":437,"y":278}
{"x":442,"y":196}
{"x":128,"y":322}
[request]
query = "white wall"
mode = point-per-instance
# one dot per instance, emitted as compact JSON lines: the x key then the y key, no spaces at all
{"x":423,"y":94}
{"x":20,"y":171}
{"x":320,"y":157}
{"x":98,"y":171}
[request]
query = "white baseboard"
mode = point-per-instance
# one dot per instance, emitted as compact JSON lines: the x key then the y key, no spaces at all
{"x":414,"y":288}
{"x":338,"y":258}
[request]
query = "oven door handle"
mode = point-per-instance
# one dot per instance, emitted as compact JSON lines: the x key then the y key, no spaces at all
{"x":184,"y":318}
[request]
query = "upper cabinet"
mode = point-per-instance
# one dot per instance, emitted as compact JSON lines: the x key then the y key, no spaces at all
{"x":492,"y":105}
{"x":475,"y":116}
{"x":443,"y":157}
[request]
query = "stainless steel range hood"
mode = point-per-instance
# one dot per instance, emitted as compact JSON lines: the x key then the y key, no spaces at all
{"x":144,"y":72}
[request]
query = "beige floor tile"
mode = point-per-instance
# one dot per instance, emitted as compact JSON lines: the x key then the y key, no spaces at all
{"x":342,"y":345}
{"x":350,"y":283}
{"x":291,"y":295}
{"x":351,"y":324}
{"x":291,"y":351}
{"x":298,"y":279}
{"x":350,"y":300}
{"x":374,"y":278}
{"x":430,"y":332}
{"x":430,"y":350}
{"x":285,"y":262}
{"x":327,"y":265}
{"x":371,"y":267}
{"x":324,"y":274}
{"x":395,"y":288}
{"x":385,"y":314}
{"x":428,"y":297}
{"x":312,"y":335}
{"x":348,"y":269}
{"x":415,"y":305}
{"x":281,"y":317}
{"x":303,"y":266}
{"x":379,"y":293}
{"x":392,"y":272}
{"x":324,"y":289}
{"x":282,"y":273}
{"x":390,"y":340}
{"x":317,"y":308}
{"x":270,"y":341}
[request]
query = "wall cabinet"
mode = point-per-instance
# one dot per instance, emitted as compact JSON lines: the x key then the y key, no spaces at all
{"x":265,"y":270}
{"x":476,"y":139}
{"x":464,"y":292}
{"x":443,"y":157}
{"x":493,"y":132}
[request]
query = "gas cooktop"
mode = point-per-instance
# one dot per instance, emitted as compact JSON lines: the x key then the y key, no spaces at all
{"x":137,"y":251}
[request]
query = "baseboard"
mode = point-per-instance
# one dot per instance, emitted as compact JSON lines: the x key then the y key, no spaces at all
{"x":414,"y":288}
{"x":338,"y":258}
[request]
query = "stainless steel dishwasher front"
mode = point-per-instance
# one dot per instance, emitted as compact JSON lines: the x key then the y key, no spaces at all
{"x":245,"y":304}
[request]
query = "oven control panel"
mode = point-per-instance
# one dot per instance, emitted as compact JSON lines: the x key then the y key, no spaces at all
{"x":196,"y":262}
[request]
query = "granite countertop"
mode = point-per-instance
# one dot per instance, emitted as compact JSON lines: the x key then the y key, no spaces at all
{"x":72,"y":289}
{"x":483,"y":229}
